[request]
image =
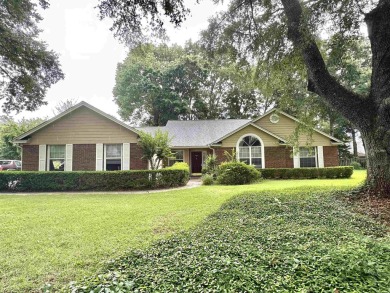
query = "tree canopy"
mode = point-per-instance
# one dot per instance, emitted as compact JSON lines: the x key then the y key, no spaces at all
{"x":10,"y":129}
{"x":27,"y":67}
{"x":293,"y":29}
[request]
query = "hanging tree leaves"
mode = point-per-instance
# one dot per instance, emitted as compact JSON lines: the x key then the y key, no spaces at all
{"x":27,"y":67}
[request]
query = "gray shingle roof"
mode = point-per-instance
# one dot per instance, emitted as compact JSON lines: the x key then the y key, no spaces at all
{"x":197,"y":133}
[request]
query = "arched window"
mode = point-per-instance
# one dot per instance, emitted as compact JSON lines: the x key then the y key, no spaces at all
{"x":249,"y":151}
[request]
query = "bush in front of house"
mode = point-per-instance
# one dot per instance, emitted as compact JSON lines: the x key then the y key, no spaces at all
{"x":237,"y":173}
{"x":93,"y":180}
{"x":171,"y":177}
{"x":307,"y":173}
{"x":207,"y":179}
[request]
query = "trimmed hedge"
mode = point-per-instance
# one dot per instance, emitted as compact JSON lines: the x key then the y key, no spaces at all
{"x":307,"y":173}
{"x":237,"y":173}
{"x":92,"y":180}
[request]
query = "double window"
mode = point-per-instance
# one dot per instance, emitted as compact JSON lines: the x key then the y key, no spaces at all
{"x":56,"y":157}
{"x":113,"y":157}
{"x":249,"y":151}
{"x":307,"y":157}
{"x":178,"y":157}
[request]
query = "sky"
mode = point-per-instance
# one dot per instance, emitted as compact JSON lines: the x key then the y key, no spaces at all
{"x":89,"y":53}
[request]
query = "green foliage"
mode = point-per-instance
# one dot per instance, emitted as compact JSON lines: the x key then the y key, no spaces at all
{"x":210,"y":165}
{"x":231,"y":157}
{"x":237,"y":173}
{"x":356,"y":165}
{"x":80,"y":181}
{"x":207,"y":179}
{"x":155,"y":148}
{"x":157,"y":83}
{"x":11,"y":129}
{"x":307,"y":173}
{"x":285,"y":241}
{"x":27,"y":67}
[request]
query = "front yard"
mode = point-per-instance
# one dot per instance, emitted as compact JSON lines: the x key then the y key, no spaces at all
{"x":63,"y":237}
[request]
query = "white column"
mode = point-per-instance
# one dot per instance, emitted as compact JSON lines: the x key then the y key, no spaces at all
{"x":69,"y":157}
{"x":126,"y":156}
{"x":320,"y":154}
{"x":99,"y":157}
{"x":297,"y":163}
{"x":42,"y":157}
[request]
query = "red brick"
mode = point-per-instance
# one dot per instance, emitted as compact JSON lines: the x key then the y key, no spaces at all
{"x":278,"y":157}
{"x":30,"y":157}
{"x":84,"y":157}
{"x":136,"y":161}
{"x":219,"y":152}
{"x":331,"y":156}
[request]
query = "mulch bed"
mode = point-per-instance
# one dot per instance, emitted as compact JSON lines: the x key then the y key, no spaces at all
{"x":373,"y":206}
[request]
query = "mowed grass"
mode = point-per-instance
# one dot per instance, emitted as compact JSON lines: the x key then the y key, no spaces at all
{"x":57,"y":238}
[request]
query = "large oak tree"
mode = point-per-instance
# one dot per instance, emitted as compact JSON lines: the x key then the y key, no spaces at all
{"x":271,"y":29}
{"x":27,"y":67}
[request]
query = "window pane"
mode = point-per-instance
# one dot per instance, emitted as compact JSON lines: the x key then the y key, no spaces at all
{"x":56,"y":164}
{"x":256,"y":152}
{"x":113,"y":164}
{"x":179,"y":155}
{"x":307,"y":152}
{"x":113,"y":150}
{"x":57,"y":152}
{"x":308,"y":162}
{"x":246,"y":161}
{"x":244,"y":152}
{"x":256,"y":162}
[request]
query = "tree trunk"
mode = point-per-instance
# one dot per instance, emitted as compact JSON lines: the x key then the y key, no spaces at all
{"x":370,"y":114}
{"x":378,"y":164}
{"x":354,"y":143}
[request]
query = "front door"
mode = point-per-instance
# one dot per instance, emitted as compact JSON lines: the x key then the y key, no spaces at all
{"x":196,"y":162}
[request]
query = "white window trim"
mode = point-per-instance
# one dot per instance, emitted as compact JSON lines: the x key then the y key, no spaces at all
{"x":105,"y":155}
{"x":262,"y":148}
{"x":315,"y":157}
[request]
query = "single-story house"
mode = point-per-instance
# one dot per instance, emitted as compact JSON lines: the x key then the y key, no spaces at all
{"x":84,"y":138}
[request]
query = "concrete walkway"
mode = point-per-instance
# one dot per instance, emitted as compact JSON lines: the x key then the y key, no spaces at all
{"x":194,"y":182}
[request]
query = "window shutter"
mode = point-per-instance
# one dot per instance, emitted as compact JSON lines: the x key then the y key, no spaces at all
{"x":297,"y":163}
{"x":99,"y":157}
{"x":42,"y":157}
{"x":126,"y":156}
{"x":69,"y":157}
{"x":320,"y":153}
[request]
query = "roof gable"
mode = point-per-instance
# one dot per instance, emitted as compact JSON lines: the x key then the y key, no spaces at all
{"x":273,"y":127}
{"x":81,"y":105}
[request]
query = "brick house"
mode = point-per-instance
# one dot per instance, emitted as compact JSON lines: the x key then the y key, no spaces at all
{"x":84,"y":138}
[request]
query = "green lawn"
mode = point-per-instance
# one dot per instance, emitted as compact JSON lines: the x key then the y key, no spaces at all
{"x":62,"y":237}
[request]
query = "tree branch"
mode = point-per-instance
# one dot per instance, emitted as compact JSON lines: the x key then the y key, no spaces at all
{"x":354,"y":107}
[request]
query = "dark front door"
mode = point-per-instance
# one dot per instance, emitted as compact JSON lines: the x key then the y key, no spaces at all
{"x":196,"y":162}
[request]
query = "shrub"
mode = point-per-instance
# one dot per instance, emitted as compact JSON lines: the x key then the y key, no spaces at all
{"x":91,"y":180}
{"x":207,"y":179}
{"x":307,"y":173}
{"x":237,"y":173}
{"x":356,"y":166}
{"x":210,"y":165}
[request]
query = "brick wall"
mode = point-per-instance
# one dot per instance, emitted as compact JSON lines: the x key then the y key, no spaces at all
{"x":136,"y":161}
{"x":84,"y":157}
{"x":30,"y":157}
{"x":331,"y":156}
{"x":278,"y":157}
{"x":219,"y":153}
